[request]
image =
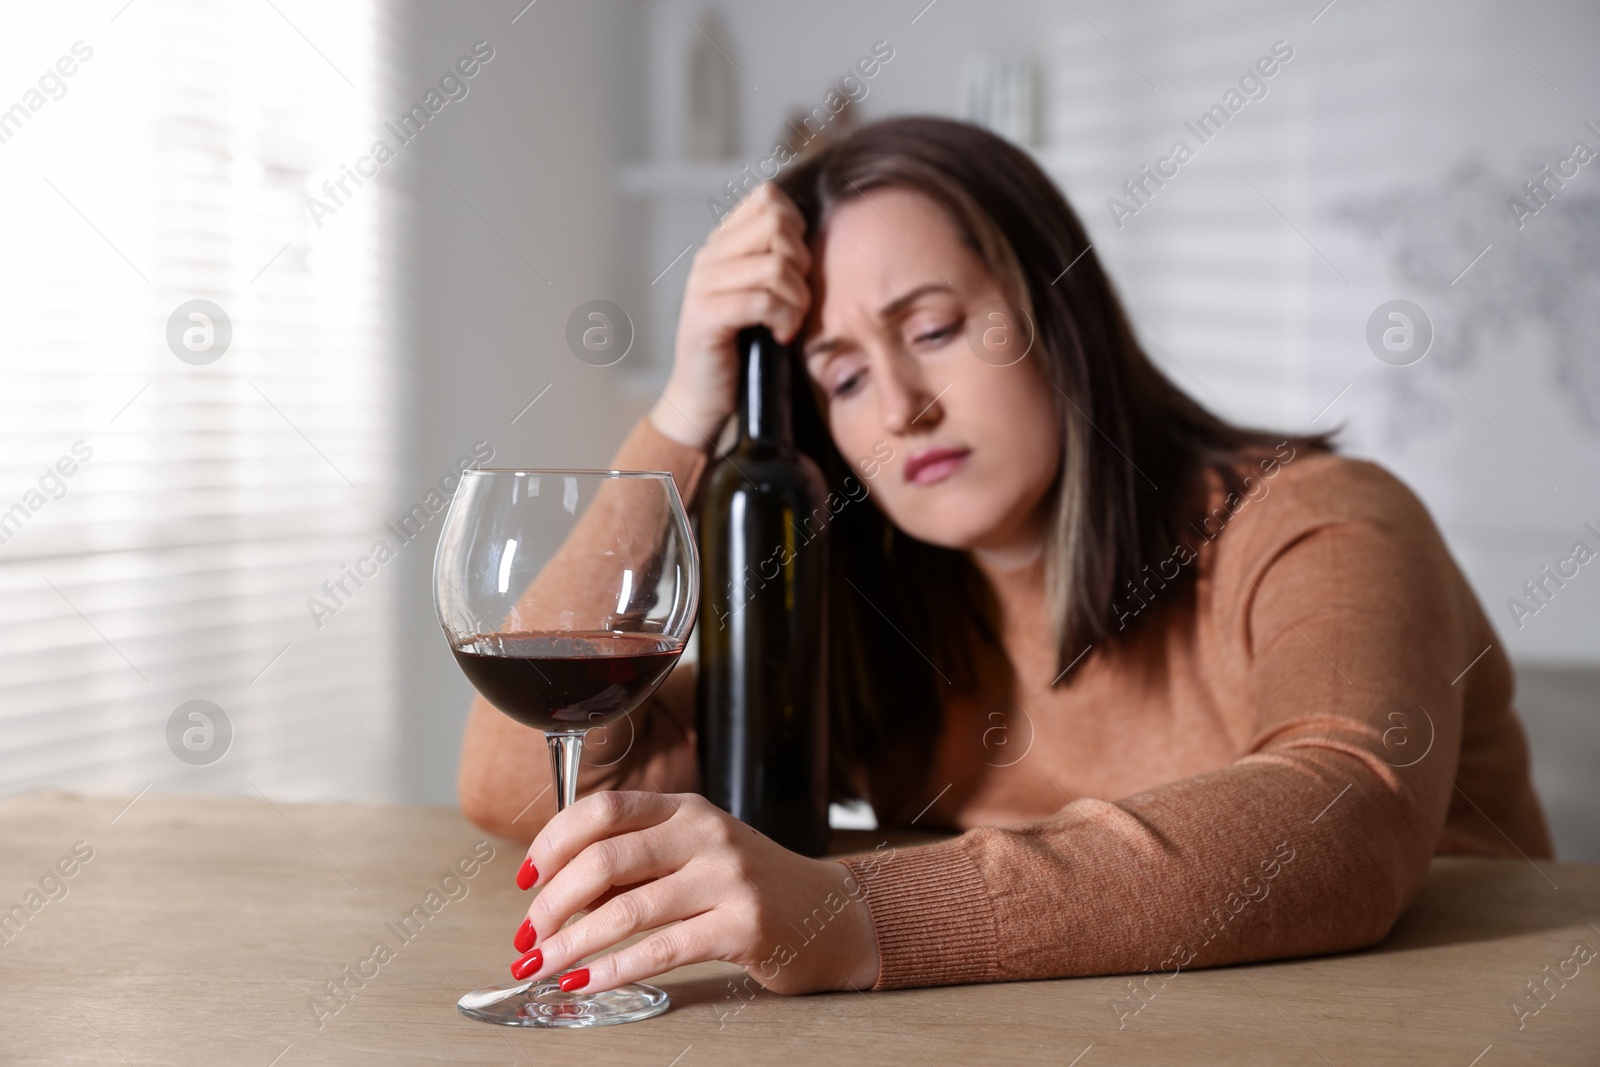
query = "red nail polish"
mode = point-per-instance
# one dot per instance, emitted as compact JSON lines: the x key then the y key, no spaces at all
{"x":575,"y":980}
{"x":527,"y":963}
{"x":527,"y":874}
{"x":525,"y":936}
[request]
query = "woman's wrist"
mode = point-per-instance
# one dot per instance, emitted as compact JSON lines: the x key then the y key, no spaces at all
{"x":685,"y":427}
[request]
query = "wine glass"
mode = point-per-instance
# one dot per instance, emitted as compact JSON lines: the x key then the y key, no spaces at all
{"x":566,"y":596}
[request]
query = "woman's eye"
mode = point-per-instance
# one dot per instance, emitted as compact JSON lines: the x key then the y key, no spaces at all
{"x":848,"y":386}
{"x":944,"y":333}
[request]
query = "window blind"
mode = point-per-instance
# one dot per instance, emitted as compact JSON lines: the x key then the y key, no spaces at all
{"x":168,"y":505}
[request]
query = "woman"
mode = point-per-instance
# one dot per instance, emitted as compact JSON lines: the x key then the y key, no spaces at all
{"x":1197,"y":694}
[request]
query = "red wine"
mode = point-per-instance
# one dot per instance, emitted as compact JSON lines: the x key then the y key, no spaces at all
{"x":761,"y":679}
{"x":566,"y":680}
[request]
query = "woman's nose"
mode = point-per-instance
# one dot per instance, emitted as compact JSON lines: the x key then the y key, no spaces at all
{"x":905,"y":400}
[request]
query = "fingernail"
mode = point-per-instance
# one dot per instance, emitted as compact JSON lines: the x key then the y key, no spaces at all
{"x":527,"y":874}
{"x":574,"y":980}
{"x":525,"y":936}
{"x":527,"y":963}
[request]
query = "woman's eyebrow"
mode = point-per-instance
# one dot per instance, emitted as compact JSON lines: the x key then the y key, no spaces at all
{"x":905,"y":300}
{"x":893,"y":308}
{"x":822,"y":347}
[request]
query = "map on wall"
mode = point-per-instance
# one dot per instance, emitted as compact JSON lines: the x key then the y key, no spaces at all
{"x":1497,"y":280}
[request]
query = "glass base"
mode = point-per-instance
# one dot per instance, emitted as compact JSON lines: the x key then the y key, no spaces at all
{"x":544,"y":1004}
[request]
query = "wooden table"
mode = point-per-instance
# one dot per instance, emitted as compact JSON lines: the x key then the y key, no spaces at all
{"x":204,"y":931}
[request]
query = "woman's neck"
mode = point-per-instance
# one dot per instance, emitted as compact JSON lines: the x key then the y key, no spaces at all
{"x":996,"y":562}
{"x":1020,"y":548}
{"x":1016,"y":578}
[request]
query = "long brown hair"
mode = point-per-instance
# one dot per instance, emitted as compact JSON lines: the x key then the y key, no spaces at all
{"x":905,"y":615}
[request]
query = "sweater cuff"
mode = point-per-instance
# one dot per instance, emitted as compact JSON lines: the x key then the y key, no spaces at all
{"x":647,"y":448}
{"x":932,"y":917}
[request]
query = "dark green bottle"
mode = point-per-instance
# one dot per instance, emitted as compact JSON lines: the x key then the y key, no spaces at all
{"x":762,"y":527}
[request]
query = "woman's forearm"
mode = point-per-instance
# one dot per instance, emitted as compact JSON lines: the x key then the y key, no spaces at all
{"x":1223,"y":868}
{"x":504,"y":776}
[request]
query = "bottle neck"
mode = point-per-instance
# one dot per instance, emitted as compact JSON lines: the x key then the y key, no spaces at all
{"x":764,"y":402}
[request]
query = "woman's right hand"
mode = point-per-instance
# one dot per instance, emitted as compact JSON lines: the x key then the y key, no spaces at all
{"x":752,"y":269}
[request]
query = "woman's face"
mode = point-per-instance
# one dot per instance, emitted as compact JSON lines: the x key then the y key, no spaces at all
{"x":917,"y":364}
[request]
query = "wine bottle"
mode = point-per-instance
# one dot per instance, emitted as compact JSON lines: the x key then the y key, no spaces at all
{"x":761,"y":679}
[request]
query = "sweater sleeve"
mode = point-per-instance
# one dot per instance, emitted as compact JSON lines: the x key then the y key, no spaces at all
{"x":1347,"y":621}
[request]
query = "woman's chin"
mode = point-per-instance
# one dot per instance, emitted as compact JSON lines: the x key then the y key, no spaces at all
{"x":991,"y":526}
{"x":950,"y":526}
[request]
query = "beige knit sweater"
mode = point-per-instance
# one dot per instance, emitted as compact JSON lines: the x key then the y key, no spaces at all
{"x":1263,"y":772}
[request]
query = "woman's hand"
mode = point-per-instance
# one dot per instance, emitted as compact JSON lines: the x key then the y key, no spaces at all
{"x":751,"y":269}
{"x":643,"y":860}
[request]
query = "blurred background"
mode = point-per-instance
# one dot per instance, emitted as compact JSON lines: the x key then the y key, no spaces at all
{"x":274,"y":270}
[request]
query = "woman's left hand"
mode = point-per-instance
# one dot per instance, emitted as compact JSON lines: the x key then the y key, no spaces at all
{"x":642,"y":860}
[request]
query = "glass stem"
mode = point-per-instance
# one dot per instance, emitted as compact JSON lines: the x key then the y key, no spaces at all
{"x":566,"y":750}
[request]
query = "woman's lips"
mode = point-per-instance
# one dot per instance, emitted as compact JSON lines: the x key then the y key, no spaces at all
{"x":934,"y":465}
